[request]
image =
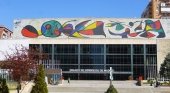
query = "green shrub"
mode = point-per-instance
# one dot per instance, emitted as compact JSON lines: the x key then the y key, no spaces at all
{"x":111,"y":89}
{"x":165,"y":83}
{"x":40,"y":84}
{"x":149,"y":81}
{"x":169,"y":83}
{"x":3,"y":87}
{"x":33,"y":89}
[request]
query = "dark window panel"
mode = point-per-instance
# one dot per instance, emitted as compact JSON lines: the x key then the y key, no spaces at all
{"x":86,"y":48}
{"x":66,"y":59}
{"x":91,"y":67}
{"x":120,"y":68}
{"x":138,"y":49}
{"x":66,"y":48}
{"x":151,"y":59}
{"x":138,"y":71}
{"x":118,"y":59}
{"x":72,"y":76}
{"x":68,"y":67}
{"x":93,"y":77}
{"x":46,"y":48}
{"x":151,"y":71}
{"x":151,"y":49}
{"x":92,"y":59}
{"x":118,"y":49}
{"x":138,"y":59}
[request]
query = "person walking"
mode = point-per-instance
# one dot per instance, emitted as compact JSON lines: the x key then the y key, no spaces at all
{"x":69,"y":80}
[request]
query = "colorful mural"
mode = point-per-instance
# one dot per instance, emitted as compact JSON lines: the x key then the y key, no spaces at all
{"x":147,"y":32}
{"x":53,"y":28}
{"x":100,"y":28}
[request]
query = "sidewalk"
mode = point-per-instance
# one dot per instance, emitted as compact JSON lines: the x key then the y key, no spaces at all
{"x":13,"y":91}
{"x":99,"y":86}
{"x":26,"y":89}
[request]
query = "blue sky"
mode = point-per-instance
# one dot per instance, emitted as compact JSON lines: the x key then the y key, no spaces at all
{"x":20,"y":9}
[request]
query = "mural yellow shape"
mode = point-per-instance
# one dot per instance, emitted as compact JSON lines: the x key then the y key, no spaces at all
{"x":91,"y":26}
{"x":76,"y":34}
{"x":148,"y":28}
{"x":39,"y":32}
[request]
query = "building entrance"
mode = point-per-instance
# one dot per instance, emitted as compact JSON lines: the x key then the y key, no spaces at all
{"x":92,"y":76}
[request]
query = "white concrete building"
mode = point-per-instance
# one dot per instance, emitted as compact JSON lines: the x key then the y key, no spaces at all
{"x":85,"y":48}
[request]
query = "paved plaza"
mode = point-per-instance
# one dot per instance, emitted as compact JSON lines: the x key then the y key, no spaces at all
{"x":89,"y":86}
{"x":27,"y":87}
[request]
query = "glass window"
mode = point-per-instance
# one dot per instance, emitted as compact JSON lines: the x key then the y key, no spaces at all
{"x":118,"y":59}
{"x":46,"y":48}
{"x":92,"y":48}
{"x":138,"y":59}
{"x":151,"y":71}
{"x":118,"y":49}
{"x":66,"y":59}
{"x":118,"y":68}
{"x":151,"y":59}
{"x":95,"y":76}
{"x":66,"y":48}
{"x":138,"y":71}
{"x":68,"y":67}
{"x":151,"y":49}
{"x":91,"y":67}
{"x":47,"y":62}
{"x":138,"y":49}
{"x":92,"y":59}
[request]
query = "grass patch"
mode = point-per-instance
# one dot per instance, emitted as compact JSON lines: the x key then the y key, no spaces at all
{"x":12,"y":85}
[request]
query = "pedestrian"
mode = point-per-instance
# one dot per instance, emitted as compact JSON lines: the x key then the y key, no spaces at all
{"x":69,"y":80}
{"x":18,"y":87}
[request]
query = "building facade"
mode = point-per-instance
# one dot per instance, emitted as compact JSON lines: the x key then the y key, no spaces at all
{"x":5,"y":33}
{"x":157,"y":9}
{"x":86,"y":48}
{"x":92,"y":61}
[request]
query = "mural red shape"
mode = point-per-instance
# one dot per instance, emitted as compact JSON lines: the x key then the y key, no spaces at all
{"x":29,"y":31}
{"x":87,"y":32}
{"x":133,"y":34}
{"x":158,"y":24}
{"x":149,"y":35}
{"x":99,"y":23}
